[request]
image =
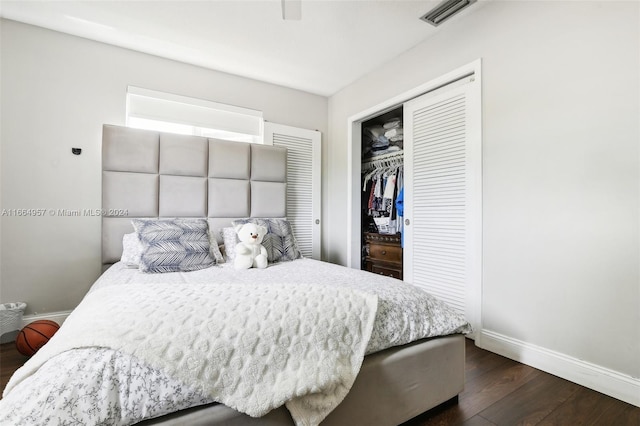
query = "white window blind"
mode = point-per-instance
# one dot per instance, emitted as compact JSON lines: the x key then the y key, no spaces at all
{"x":150,"y":109}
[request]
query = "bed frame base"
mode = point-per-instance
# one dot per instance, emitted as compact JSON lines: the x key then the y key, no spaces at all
{"x":394,"y":385}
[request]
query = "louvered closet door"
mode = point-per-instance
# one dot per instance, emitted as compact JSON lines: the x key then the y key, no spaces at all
{"x":443,"y":195}
{"x":303,"y":182}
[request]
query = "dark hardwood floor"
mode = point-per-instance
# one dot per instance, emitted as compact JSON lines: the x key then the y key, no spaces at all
{"x":10,"y":361}
{"x":498,"y":391}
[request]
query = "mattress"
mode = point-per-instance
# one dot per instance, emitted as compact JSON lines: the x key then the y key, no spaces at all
{"x":404,"y":314}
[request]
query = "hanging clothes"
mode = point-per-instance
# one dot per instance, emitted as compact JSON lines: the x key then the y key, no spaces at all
{"x":381,"y":188}
{"x":388,"y":195}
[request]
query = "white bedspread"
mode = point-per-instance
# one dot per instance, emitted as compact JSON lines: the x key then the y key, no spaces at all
{"x":252,"y":347}
{"x":405,"y":312}
{"x":116,"y":388}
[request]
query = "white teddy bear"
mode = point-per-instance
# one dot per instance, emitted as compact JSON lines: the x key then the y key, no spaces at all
{"x":249,"y":251}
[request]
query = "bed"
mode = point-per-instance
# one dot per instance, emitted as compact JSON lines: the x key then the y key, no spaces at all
{"x":300,"y":342}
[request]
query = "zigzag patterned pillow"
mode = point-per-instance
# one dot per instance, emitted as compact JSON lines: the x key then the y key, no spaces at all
{"x":280,"y":242}
{"x":173,"y":245}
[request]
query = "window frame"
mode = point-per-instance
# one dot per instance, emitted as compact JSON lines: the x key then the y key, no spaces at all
{"x":167,"y":112}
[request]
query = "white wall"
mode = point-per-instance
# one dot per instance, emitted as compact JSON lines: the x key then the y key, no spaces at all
{"x":561,"y":169}
{"x":57,"y":91}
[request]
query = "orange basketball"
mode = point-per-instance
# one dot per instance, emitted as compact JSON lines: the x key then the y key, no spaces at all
{"x":34,"y":335}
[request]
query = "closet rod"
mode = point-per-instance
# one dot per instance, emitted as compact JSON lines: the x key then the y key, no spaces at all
{"x":382,"y":160}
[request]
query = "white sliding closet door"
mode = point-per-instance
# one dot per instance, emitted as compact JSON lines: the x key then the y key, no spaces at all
{"x":443,"y":185}
{"x":303,"y":182}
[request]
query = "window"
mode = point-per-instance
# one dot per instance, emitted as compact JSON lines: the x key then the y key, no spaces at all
{"x":165,"y":112}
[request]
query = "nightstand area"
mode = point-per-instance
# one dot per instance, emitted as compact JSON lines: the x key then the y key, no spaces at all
{"x":383,"y":254}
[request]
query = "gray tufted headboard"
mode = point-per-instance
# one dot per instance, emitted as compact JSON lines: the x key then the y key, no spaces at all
{"x":152,"y":174}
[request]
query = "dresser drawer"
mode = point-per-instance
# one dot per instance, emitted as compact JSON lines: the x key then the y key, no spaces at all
{"x":385,"y":252}
{"x":386,"y":271}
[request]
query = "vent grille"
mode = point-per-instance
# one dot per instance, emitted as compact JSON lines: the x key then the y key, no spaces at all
{"x":445,"y":10}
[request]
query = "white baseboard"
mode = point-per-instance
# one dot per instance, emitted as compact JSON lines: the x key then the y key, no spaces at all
{"x":601,"y":379}
{"x":58,"y":317}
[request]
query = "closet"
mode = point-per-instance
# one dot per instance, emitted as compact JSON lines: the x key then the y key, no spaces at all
{"x":382,"y":183}
{"x":435,"y":241}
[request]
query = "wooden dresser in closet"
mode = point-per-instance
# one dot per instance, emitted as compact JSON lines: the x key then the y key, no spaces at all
{"x":383,"y":254}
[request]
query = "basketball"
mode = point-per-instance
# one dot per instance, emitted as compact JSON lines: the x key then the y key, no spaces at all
{"x":34,"y":335}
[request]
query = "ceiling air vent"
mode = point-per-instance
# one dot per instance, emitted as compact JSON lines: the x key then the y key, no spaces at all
{"x":445,"y":10}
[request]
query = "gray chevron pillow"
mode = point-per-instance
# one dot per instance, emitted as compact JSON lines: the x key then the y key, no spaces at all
{"x":280,"y":242}
{"x":173,"y":245}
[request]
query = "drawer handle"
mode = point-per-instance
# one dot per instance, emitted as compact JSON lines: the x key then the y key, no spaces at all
{"x":383,"y":252}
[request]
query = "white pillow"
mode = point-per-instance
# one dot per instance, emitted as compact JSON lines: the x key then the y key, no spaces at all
{"x":131,"y":250}
{"x":230,"y":238}
{"x":214,"y":249}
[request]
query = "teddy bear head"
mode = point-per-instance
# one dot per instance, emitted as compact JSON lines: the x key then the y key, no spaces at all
{"x":250,"y":233}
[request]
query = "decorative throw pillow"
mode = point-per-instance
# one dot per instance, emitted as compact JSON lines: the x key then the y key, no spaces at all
{"x":230,"y":239}
{"x":131,"y":250}
{"x":173,"y":245}
{"x":280,"y":242}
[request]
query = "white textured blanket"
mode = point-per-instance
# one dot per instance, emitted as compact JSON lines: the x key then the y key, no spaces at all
{"x":250,"y":346}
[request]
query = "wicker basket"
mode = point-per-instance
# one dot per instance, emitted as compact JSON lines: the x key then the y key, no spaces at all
{"x":10,"y":320}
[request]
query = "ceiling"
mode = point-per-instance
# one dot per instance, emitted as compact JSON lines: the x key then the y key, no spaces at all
{"x":333,"y":44}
